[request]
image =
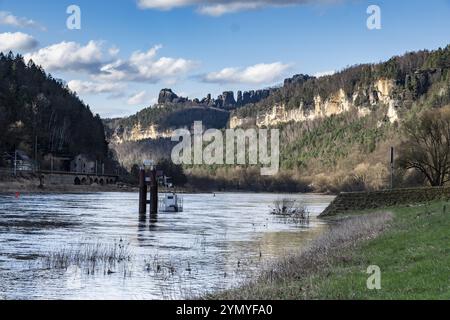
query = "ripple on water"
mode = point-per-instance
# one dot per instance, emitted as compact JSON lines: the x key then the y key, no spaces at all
{"x":216,"y":243}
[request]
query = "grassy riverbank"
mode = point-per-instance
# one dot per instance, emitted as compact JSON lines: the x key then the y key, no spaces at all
{"x":411,"y":245}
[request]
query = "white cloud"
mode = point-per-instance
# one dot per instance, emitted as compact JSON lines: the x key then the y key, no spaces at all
{"x":257,"y":74}
{"x":220,"y":7}
{"x":16,"y":41}
{"x":8,"y":19}
{"x":106,"y":70}
{"x":87,"y":87}
{"x":138,"y":98}
{"x":114,"y":51}
{"x":146,"y":67}
{"x":217,"y":10}
{"x":324,"y":74}
{"x":165,"y":4}
{"x":71,"y":56}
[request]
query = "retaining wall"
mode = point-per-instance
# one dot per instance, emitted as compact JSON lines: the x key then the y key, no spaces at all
{"x":382,"y":199}
{"x":82,"y":179}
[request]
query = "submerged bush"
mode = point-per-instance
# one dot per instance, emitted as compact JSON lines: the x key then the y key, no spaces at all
{"x":291,"y":208}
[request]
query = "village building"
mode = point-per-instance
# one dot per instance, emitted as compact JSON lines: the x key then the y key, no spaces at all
{"x":84,"y":164}
{"x":56,"y":162}
{"x":19,"y":161}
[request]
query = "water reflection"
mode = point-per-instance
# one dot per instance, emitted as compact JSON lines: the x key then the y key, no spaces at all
{"x":153,"y":222}
{"x":204,"y":248}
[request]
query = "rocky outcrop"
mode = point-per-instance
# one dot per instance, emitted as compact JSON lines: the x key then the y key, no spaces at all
{"x":254,"y":96}
{"x":138,"y":133}
{"x":226,"y":100}
{"x":167,"y":96}
{"x":208,"y":101}
{"x":236,"y":122}
{"x":297,"y":79}
{"x":239,"y":98}
{"x":380,"y":93}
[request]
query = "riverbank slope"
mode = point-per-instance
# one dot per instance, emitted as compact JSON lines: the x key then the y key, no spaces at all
{"x":410,"y":245}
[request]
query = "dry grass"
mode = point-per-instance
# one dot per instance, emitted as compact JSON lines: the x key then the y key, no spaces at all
{"x":333,"y":246}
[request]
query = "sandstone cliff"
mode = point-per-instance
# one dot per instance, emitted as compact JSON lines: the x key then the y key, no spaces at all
{"x":138,"y":133}
{"x":381,"y":93}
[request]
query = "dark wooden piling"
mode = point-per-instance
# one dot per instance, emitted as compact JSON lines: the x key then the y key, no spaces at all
{"x":142,"y":193}
{"x":153,"y":193}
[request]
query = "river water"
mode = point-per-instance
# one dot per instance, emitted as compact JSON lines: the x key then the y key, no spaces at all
{"x":216,"y":243}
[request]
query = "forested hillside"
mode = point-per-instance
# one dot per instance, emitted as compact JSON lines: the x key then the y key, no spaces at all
{"x":35,"y":105}
{"x":176,"y":116}
{"x":413,"y":74}
{"x":336,"y":131}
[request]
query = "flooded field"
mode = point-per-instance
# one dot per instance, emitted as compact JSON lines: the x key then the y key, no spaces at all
{"x":95,"y":246}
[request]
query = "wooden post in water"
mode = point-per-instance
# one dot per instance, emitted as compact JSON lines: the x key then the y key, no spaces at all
{"x":153,"y":193}
{"x":142,"y":192}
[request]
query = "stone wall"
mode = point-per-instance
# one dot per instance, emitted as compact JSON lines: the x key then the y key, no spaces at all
{"x":75,"y":179}
{"x":383,"y":199}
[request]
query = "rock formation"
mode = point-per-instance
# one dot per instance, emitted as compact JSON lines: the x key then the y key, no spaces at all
{"x":167,"y":96}
{"x":298,"y":78}
{"x":226,"y":100}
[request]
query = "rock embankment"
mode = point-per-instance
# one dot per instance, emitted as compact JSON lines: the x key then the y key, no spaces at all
{"x":350,"y":201}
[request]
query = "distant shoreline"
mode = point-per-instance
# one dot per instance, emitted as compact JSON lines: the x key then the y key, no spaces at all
{"x":26,"y":185}
{"x":32,"y":187}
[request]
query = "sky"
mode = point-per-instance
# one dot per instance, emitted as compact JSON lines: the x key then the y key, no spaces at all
{"x":123,"y":52}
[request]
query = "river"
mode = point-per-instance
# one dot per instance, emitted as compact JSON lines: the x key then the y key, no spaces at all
{"x":216,"y":243}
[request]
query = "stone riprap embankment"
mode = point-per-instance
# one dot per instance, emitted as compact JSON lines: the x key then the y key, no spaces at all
{"x":350,"y":201}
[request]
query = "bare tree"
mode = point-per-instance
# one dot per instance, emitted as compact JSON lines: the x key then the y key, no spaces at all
{"x":427,"y":145}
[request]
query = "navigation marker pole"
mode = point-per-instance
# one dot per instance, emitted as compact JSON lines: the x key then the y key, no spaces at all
{"x":392,"y":168}
{"x":142,"y":192}
{"x":144,"y":182}
{"x":153,"y":193}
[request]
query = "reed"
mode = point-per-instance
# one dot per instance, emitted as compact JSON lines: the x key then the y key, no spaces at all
{"x":89,"y":256}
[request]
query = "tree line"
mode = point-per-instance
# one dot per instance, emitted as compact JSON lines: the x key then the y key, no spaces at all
{"x":34,"y":106}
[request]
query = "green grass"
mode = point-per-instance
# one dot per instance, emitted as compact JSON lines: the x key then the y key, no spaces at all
{"x":412,"y":249}
{"x":413,"y":254}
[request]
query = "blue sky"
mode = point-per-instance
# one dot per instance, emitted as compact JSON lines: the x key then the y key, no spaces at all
{"x":127,"y":50}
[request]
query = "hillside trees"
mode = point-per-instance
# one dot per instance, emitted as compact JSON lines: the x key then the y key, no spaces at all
{"x":414,"y":73}
{"x":34,"y":104}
